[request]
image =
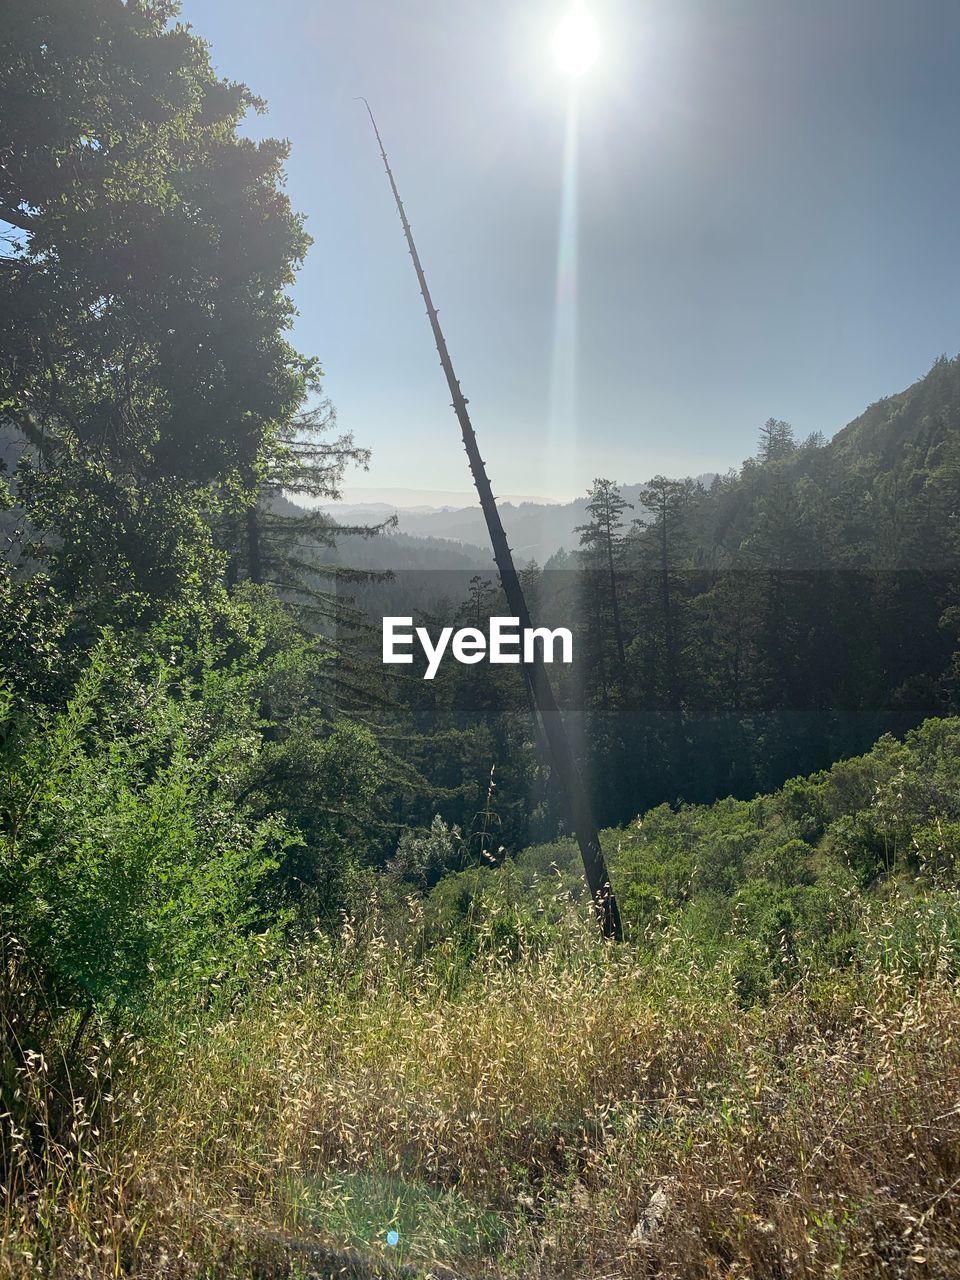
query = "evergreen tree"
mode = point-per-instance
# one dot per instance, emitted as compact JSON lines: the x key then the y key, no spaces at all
{"x":280,"y":541}
{"x":776,"y":440}
{"x":669,"y":502}
{"x":602,"y":541}
{"x":142,"y":333}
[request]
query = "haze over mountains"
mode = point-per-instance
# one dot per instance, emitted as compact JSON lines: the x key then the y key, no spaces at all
{"x":407,"y":499}
{"x":892,"y":433}
{"x":537,"y":528}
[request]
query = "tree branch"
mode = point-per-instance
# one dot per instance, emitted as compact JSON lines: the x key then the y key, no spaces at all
{"x":17,"y":219}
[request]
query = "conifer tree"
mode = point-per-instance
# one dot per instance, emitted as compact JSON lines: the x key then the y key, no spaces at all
{"x":669,"y":501}
{"x":284,"y":538}
{"x":776,"y":440}
{"x":602,"y":541}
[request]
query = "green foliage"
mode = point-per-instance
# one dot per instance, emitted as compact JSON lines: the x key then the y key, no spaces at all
{"x":142,"y":340}
{"x":424,"y":857}
{"x":127,"y":865}
{"x":779,"y":885}
{"x":324,"y":787}
{"x":33,"y":620}
{"x":158,"y":243}
{"x":181,"y":770}
{"x":162,"y":816}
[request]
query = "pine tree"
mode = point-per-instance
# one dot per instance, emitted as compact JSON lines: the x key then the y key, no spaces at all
{"x":602,"y":541}
{"x":284,"y":544}
{"x":776,"y":440}
{"x":669,"y":501}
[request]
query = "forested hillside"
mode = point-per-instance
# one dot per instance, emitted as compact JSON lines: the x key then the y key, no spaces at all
{"x":786,"y":615}
{"x":297,"y":970}
{"x":730,"y":637}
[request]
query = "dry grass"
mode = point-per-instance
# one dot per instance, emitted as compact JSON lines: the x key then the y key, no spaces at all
{"x":581,"y":1112}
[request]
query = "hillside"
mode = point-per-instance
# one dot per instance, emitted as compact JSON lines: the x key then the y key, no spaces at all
{"x":773,"y":880}
{"x":907,"y":444}
{"x":884,"y":493}
{"x":762,"y":1082}
{"x":924,"y":420}
{"x":536,"y":530}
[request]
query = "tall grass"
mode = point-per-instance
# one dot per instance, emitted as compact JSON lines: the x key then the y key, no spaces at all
{"x":561,"y":1109}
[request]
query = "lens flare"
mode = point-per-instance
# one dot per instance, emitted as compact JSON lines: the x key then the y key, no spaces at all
{"x":576,"y":43}
{"x":560,"y":461}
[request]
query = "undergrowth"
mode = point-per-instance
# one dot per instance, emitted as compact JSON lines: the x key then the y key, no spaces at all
{"x":552,"y":1109}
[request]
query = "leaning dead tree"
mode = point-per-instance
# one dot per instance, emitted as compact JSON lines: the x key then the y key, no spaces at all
{"x":558,"y":744}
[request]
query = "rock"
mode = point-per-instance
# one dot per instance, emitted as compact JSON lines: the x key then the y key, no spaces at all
{"x":653,"y":1215}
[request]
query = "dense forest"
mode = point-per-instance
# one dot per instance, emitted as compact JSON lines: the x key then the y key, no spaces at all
{"x":728,"y":637}
{"x":297,"y":970}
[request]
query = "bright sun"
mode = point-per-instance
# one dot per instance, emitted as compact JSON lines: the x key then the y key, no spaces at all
{"x":576,"y":44}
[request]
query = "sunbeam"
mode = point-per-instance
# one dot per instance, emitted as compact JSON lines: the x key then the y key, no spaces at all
{"x":564,"y":381}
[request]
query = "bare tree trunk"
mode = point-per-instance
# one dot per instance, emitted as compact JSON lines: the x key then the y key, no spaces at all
{"x":588,"y":837}
{"x":254,"y":553}
{"x":617,"y":628}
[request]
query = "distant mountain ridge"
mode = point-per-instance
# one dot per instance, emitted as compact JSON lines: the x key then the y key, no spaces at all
{"x":900,"y":442}
{"x":403,"y":498}
{"x":536,"y":530}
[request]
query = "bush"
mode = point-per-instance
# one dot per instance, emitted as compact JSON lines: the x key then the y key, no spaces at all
{"x":126,"y":866}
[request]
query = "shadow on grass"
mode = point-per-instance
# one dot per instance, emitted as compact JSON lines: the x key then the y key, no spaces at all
{"x":394,"y":1227}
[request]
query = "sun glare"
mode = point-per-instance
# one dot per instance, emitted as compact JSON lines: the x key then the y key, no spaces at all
{"x":576,"y":43}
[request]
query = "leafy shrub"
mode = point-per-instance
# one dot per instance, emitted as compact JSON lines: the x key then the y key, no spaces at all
{"x":424,"y":857}
{"x":126,"y":865}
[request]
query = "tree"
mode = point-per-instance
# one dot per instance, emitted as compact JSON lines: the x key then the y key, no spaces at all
{"x":280,"y":543}
{"x":602,"y":539}
{"x":142,"y":344}
{"x":584,"y":824}
{"x":776,"y":440}
{"x":668,"y":501}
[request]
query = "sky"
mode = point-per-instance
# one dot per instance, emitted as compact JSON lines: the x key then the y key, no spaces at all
{"x":763,"y":202}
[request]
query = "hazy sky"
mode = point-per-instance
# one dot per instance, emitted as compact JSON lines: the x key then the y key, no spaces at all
{"x":768,"y":219}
